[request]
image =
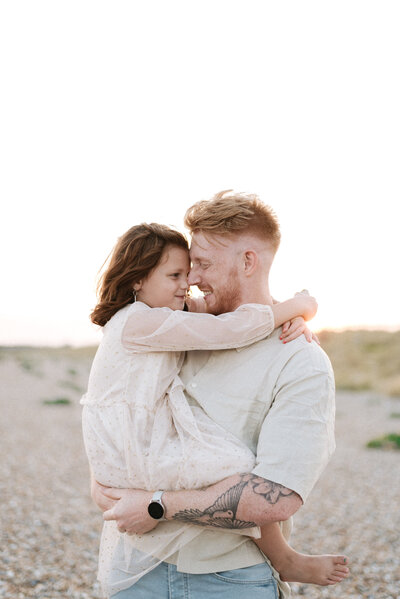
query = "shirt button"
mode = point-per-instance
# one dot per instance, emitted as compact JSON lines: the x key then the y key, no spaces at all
{"x":194,"y":385}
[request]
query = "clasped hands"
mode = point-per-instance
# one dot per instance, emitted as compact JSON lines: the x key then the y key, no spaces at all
{"x":128,"y":507}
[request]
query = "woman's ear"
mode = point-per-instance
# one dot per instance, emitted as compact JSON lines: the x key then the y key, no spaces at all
{"x":137,"y":286}
{"x":250,"y":261}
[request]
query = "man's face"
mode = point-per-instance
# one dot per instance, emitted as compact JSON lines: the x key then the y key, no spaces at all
{"x":215,"y":272}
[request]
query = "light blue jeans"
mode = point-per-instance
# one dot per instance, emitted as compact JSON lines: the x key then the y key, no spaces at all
{"x":165,"y":582}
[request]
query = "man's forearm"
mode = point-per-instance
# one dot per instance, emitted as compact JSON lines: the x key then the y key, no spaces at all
{"x":240,"y":501}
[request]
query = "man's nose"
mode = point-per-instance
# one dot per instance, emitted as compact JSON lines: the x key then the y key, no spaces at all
{"x":193,"y":277}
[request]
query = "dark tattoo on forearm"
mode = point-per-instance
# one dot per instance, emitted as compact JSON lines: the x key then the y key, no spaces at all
{"x":222,"y":513}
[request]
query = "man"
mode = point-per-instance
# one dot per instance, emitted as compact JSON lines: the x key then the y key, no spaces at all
{"x":277,"y":398}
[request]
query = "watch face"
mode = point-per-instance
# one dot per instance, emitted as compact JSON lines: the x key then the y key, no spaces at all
{"x":156,"y":510}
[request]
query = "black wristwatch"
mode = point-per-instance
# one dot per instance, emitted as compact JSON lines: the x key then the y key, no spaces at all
{"x":156,"y":508}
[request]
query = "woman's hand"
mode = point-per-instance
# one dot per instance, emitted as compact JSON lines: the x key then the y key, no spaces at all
{"x":196,"y":304}
{"x":130,"y":510}
{"x":296,"y":327}
{"x":309,"y":305}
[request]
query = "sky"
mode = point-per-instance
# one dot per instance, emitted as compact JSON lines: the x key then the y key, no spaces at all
{"x":115,"y":113}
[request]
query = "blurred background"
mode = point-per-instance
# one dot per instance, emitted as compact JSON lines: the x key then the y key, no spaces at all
{"x":117,"y":113}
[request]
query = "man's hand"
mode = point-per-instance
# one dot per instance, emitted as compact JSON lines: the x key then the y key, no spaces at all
{"x":97,"y":492}
{"x":130,"y":510}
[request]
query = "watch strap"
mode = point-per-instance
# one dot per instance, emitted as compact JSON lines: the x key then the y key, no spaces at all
{"x":157,"y":496}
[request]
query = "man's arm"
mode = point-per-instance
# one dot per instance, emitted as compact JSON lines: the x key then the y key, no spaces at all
{"x":240,"y":501}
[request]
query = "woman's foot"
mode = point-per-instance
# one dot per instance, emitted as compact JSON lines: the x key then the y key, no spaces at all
{"x":314,"y":569}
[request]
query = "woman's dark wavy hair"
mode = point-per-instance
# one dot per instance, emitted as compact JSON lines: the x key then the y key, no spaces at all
{"x":135,"y":255}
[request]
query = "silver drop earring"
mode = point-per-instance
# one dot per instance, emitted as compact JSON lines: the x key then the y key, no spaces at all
{"x":134,"y":295}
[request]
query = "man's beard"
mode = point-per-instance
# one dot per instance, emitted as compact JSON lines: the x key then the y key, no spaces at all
{"x":227,"y":299}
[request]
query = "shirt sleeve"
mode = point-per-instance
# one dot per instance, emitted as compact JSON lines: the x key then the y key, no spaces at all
{"x":162,"y":329}
{"x":297,"y":436}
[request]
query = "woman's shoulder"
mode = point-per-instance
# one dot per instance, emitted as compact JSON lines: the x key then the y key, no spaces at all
{"x":117,"y":322}
{"x":129,"y":309}
{"x":119,"y":318}
{"x":139,"y":307}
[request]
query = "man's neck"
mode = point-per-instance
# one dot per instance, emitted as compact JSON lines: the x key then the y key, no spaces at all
{"x":255,"y":297}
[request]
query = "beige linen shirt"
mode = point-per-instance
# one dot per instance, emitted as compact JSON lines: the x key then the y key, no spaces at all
{"x":279,"y":399}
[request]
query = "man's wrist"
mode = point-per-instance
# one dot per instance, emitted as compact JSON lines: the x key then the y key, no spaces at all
{"x":176,"y":502}
{"x":156,"y":508}
{"x":168,"y":502}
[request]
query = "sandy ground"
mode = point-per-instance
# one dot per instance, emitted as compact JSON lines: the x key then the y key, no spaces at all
{"x":50,"y":529}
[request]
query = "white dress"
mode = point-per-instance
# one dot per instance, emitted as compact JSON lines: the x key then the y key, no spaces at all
{"x":140,"y":432}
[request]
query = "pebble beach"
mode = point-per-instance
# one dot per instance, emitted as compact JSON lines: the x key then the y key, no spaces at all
{"x":50,"y":528}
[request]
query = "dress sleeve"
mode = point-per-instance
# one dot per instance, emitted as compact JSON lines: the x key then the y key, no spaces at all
{"x":162,"y":329}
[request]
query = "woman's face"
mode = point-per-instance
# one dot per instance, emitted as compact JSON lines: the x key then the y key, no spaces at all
{"x":167,"y":284}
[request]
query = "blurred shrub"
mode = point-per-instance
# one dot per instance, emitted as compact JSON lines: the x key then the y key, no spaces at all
{"x":364,"y":360}
{"x":391,"y":441}
{"x":57,"y":401}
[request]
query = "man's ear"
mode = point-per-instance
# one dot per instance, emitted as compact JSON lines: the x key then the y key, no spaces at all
{"x":250,"y":261}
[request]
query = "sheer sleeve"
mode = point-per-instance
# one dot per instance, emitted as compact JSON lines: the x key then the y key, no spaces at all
{"x":162,"y":329}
